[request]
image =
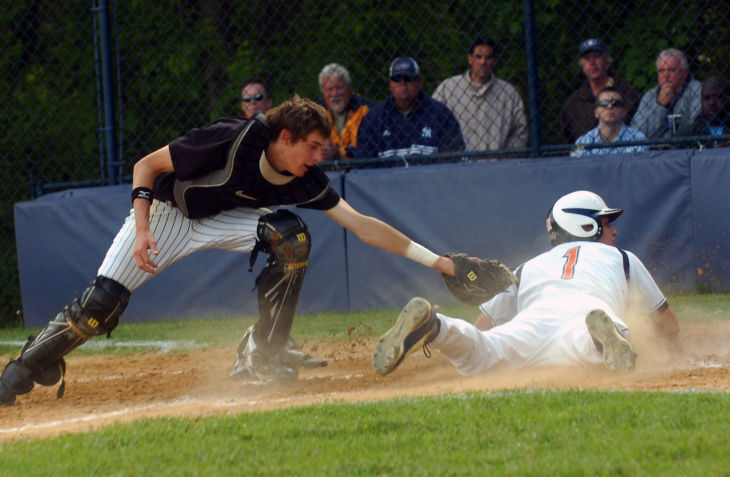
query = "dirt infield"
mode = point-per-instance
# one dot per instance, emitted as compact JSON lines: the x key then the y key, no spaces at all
{"x":102,"y":390}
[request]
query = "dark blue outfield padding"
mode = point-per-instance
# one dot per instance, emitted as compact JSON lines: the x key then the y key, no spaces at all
{"x":677,"y":206}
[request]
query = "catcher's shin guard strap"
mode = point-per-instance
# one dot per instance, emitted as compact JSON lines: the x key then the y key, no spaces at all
{"x":55,"y":341}
{"x":285,"y":236}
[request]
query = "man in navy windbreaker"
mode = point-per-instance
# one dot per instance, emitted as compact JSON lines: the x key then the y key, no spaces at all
{"x":409,"y":122}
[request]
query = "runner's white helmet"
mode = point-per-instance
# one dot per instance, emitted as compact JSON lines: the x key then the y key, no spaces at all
{"x":576,"y":216}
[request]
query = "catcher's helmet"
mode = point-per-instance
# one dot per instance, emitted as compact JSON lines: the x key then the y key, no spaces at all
{"x":576,"y":217}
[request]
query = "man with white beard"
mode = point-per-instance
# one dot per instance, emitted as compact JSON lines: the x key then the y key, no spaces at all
{"x":345,"y":109}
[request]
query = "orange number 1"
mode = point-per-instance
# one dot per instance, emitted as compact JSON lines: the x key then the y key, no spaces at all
{"x":571,"y":257}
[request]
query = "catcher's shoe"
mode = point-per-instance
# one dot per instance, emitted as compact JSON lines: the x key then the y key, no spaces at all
{"x":295,"y":356}
{"x":618,"y":354}
{"x":415,"y":327}
{"x":7,"y":397}
{"x":250,"y":364}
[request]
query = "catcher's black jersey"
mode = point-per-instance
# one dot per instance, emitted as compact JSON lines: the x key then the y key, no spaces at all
{"x":222,"y":166}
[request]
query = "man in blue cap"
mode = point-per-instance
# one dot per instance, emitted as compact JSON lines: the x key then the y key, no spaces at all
{"x":577,"y":115}
{"x":409,"y":122}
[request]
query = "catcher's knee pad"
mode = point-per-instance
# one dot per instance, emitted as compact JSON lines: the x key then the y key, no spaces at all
{"x":285,"y":237}
{"x":95,"y":312}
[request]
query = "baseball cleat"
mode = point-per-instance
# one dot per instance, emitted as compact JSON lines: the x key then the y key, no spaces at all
{"x":618,"y":354}
{"x":415,"y":327}
{"x":7,"y":397}
{"x":295,"y":356}
{"x":249,"y":364}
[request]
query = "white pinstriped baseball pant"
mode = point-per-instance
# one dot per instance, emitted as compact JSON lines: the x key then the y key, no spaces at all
{"x":178,"y":236}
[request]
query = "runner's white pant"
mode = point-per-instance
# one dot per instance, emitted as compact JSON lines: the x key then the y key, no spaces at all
{"x":178,"y":236}
{"x":536,"y":337}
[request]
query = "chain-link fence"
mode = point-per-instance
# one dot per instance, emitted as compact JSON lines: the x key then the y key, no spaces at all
{"x":91,"y":86}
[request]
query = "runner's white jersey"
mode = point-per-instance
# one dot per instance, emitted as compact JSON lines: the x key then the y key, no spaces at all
{"x":578,"y":274}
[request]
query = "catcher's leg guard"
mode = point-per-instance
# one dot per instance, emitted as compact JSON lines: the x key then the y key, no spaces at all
{"x":285,"y":237}
{"x":95,"y":312}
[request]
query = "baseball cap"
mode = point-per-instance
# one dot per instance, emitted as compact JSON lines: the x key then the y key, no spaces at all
{"x":405,"y":66}
{"x":593,"y":44}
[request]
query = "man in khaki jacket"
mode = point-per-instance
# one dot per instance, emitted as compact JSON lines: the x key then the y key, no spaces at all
{"x":490,"y":111}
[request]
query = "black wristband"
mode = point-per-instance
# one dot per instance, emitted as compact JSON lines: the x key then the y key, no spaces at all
{"x":142,"y":193}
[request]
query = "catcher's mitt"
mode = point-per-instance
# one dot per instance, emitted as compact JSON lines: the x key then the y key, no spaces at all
{"x":477,"y":280}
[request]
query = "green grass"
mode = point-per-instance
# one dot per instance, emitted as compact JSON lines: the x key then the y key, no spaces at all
{"x":225,"y":331}
{"x":506,"y":433}
{"x":331,"y":326}
{"x":527,"y":432}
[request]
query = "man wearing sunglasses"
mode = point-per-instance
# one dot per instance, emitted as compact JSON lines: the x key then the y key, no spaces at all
{"x":610,"y":111}
{"x":255,"y":97}
{"x":409,"y":122}
{"x":576,"y":116}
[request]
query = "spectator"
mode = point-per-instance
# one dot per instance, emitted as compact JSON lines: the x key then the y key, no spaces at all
{"x":255,"y":97}
{"x":345,"y":110}
{"x":577,"y":115}
{"x":489,"y":110}
{"x":409,"y":121}
{"x":671,"y":108}
{"x":715,"y":117}
{"x":610,"y":111}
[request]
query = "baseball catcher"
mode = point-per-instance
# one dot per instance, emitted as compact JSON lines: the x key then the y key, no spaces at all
{"x":477,"y":280}
{"x":213,"y":188}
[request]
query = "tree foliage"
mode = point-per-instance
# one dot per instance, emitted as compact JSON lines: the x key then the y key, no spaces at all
{"x":180,"y":63}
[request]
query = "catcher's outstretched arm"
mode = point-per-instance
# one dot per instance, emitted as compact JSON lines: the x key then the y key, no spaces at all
{"x":377,"y":233}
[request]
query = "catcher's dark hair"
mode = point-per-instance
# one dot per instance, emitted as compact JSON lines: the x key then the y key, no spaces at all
{"x":483,"y":41}
{"x":299,"y":116}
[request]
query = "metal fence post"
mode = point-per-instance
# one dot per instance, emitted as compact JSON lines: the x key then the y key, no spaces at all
{"x":110,"y":126}
{"x":533,"y":82}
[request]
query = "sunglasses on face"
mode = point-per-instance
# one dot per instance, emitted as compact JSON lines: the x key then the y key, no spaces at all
{"x":616,"y":103}
{"x":402,"y":78}
{"x":248,"y":98}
